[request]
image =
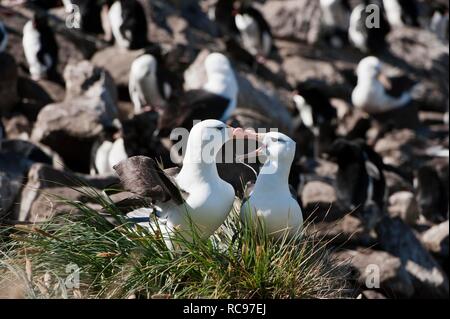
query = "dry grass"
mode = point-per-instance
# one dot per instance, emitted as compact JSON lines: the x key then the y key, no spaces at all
{"x":119,"y":260}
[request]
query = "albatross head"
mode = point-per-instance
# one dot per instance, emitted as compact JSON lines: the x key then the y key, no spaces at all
{"x":277,"y":147}
{"x":207,"y":138}
{"x":369,"y":67}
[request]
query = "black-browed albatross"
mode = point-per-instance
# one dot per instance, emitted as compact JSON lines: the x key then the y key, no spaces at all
{"x":196,"y":196}
{"x":271,"y":200}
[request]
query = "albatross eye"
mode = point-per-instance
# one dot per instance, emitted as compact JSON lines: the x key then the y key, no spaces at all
{"x":273,"y":139}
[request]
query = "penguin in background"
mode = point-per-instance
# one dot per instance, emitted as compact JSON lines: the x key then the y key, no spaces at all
{"x":402,"y":12}
{"x":108,"y":150}
{"x":3,"y":37}
{"x":368,"y":39}
{"x":151,"y":83}
{"x":129,"y":24}
{"x":222,"y":13}
{"x":40,"y":48}
{"x":360,"y":182}
{"x":439,"y":21}
{"x":316,"y":115}
{"x":335,"y":21}
{"x":254,"y":31}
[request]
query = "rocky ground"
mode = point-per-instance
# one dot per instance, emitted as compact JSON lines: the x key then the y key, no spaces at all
{"x":409,"y":245}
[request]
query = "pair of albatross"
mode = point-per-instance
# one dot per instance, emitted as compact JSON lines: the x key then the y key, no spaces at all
{"x":196,"y":196}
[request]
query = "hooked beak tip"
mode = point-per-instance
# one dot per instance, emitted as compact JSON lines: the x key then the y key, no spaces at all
{"x":239,"y":133}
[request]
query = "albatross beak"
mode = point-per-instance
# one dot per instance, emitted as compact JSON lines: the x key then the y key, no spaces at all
{"x":241,"y":134}
{"x":385,"y":81}
{"x":254,"y":154}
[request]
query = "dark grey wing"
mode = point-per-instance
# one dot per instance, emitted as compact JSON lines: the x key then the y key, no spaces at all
{"x":172,"y":173}
{"x":142,"y":176}
{"x":126,"y":205}
{"x":399,"y":85}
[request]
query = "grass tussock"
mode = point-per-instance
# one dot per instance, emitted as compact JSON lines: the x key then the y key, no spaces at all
{"x":112,"y":258}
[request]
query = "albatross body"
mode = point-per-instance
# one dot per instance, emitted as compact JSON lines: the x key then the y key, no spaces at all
{"x":370,"y":94}
{"x":271,"y":200}
{"x":195,"y":196}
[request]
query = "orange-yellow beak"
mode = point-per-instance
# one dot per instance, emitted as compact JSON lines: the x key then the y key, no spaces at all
{"x":239,"y":133}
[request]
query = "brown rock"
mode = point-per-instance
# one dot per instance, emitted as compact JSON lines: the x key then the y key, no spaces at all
{"x":428,"y":278}
{"x":404,"y":205}
{"x":318,"y":192}
{"x":395,"y":183}
{"x":47,"y":188}
{"x":436,"y":239}
{"x":323,"y":75}
{"x":347,"y":231}
{"x":293,"y":19}
{"x":393,"y":279}
{"x":117,"y":62}
{"x":69,"y":128}
{"x":35,"y":95}
{"x":17,"y":127}
{"x":16,"y":157}
{"x":318,"y":200}
{"x":420,"y":52}
{"x":83,"y":77}
{"x":402,"y":148}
